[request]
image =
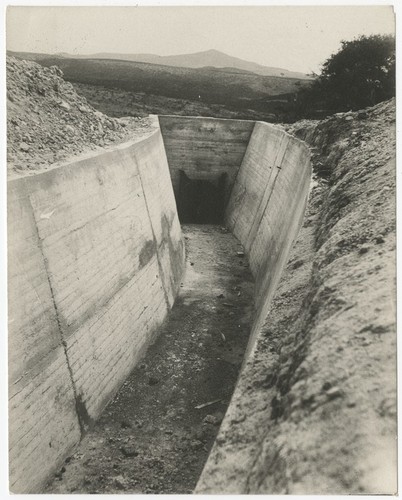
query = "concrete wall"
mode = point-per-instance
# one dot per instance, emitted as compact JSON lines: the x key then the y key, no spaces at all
{"x":269,"y":177}
{"x":205,"y":148}
{"x":268,"y":181}
{"x":42,"y":416}
{"x":267,"y":206}
{"x":95,"y":261}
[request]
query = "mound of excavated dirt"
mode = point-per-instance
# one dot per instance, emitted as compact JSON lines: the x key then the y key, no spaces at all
{"x":314,"y":411}
{"x":47,"y":121}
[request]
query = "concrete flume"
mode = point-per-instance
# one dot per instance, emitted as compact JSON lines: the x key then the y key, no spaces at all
{"x":95,"y":261}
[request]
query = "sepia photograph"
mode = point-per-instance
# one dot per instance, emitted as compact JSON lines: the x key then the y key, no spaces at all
{"x":200,"y":249}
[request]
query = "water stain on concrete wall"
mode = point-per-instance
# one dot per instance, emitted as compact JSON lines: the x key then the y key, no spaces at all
{"x":146,"y":253}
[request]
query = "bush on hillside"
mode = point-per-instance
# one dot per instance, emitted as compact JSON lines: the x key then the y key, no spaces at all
{"x":360,"y":74}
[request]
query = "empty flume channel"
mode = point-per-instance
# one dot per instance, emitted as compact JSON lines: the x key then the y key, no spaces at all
{"x":96,"y":257}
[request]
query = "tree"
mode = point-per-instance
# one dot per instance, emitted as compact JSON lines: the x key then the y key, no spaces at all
{"x":361,"y":74}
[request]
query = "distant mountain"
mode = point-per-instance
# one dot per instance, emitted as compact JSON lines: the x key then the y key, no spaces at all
{"x":208,"y":58}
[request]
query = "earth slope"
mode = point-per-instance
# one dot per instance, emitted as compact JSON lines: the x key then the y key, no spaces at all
{"x":47,"y":121}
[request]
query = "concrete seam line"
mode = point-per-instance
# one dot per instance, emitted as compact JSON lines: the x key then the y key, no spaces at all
{"x":272,"y":187}
{"x":155,"y":242}
{"x":294,"y":228}
{"x":236,"y":176}
{"x":238,"y":170}
{"x":63,"y":342}
{"x":258,"y":224}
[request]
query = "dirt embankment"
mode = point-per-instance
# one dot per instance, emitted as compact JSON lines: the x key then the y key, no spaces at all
{"x":315,"y":409}
{"x":336,"y":391}
{"x":48,"y":122}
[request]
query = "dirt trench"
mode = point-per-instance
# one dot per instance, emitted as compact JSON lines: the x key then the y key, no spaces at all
{"x":156,"y":434}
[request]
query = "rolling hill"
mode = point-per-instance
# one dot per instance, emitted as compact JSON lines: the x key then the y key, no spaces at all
{"x":210,"y":84}
{"x":212,"y":58}
{"x":238,"y":90}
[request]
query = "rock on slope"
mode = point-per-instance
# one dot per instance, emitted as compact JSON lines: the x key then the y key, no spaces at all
{"x":314,"y":411}
{"x":47,"y":121}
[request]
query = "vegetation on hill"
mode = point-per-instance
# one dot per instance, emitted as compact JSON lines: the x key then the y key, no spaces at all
{"x":212,"y":58}
{"x":360,"y":74}
{"x":247,"y":94}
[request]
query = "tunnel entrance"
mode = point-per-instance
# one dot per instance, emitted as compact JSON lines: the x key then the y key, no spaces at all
{"x":201,"y":201}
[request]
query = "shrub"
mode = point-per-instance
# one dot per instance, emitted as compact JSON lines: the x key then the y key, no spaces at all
{"x":361,"y":74}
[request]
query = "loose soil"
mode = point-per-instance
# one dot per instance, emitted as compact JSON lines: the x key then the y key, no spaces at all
{"x":48,"y":123}
{"x":152,"y":438}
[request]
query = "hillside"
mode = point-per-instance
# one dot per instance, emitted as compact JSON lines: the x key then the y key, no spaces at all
{"x":235,"y":89}
{"x":118,"y":103}
{"x":212,"y":58}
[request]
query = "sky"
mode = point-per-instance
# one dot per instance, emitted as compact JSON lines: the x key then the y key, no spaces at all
{"x":296,"y":38}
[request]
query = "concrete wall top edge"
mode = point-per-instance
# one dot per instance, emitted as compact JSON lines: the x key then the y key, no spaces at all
{"x":286,"y":134}
{"x":82,"y":157}
{"x":251,"y":123}
{"x":201,"y":118}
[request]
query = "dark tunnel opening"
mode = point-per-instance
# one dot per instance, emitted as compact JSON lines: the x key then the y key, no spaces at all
{"x":201,"y":201}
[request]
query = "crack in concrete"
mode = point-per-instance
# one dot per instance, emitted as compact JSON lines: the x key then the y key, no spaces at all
{"x":237,"y":175}
{"x":157,"y":247}
{"x":255,"y":225}
{"x":77,"y":399}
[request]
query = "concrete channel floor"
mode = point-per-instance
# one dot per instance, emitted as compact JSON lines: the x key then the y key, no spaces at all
{"x":155,"y":436}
